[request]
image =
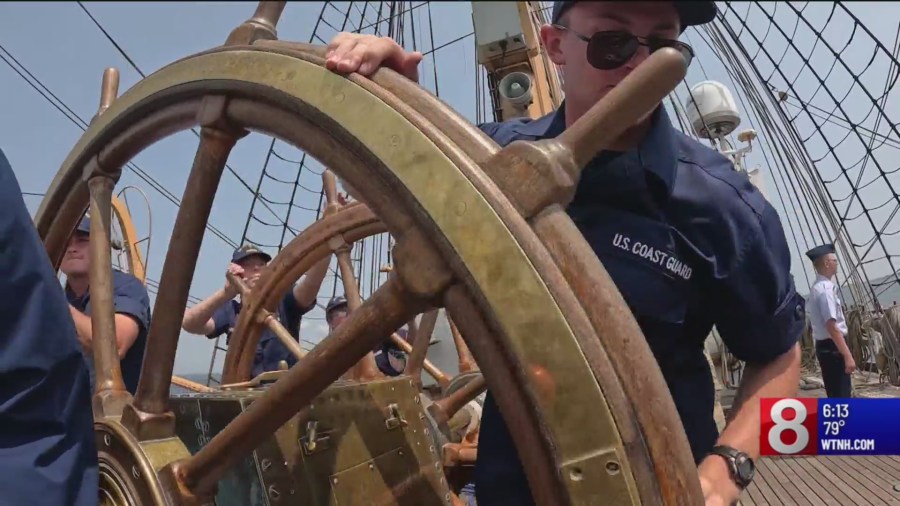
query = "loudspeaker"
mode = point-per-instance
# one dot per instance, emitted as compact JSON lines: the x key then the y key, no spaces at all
{"x":515,"y":88}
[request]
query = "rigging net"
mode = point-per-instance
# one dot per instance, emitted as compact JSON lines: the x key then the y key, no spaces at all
{"x":818,"y":86}
{"x":289,"y":187}
{"x":830,"y":78}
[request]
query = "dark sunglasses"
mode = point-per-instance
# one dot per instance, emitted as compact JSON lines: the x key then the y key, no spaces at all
{"x":610,"y":50}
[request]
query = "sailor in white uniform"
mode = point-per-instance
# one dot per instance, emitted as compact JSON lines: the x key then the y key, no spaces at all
{"x":829,"y":328}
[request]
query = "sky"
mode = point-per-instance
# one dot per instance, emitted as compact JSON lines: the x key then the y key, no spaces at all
{"x":62,"y":47}
{"x":835,"y":130}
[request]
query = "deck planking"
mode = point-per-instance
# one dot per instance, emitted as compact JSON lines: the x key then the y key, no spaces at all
{"x":821,"y":480}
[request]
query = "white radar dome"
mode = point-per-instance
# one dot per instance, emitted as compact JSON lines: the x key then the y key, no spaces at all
{"x":712,"y":111}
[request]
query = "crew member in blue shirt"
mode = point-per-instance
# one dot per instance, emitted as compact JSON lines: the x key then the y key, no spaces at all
{"x":47,"y":450}
{"x":131,"y":301}
{"x":829,"y":327}
{"x":336,"y":311}
{"x":390,"y":359}
{"x":217,"y":314}
{"x":689,"y":242}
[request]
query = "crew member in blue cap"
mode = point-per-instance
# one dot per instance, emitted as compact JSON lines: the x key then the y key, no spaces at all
{"x":336,"y":311}
{"x":130,"y":298}
{"x":689,"y":242}
{"x":218,"y":313}
{"x":389,"y":358}
{"x":829,"y":328}
{"x":47,"y":450}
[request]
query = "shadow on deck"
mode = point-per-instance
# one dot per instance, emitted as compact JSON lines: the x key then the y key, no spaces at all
{"x":841,"y":481}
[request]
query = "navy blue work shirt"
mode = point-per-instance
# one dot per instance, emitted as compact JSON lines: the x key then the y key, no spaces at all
{"x":387,"y":350}
{"x":690,"y":243}
{"x":47,"y":450}
{"x":269,"y":351}
{"x":130,"y":298}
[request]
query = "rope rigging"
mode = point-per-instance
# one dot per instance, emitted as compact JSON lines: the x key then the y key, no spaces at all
{"x":814,"y":151}
{"x":140,"y":72}
{"x":78,"y":121}
{"x":813,"y":82}
{"x":810,"y":181}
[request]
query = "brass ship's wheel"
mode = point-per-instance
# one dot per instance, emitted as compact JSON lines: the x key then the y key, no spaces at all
{"x":479,"y":231}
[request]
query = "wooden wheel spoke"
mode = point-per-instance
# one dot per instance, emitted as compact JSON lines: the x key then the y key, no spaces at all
{"x":111,"y":395}
{"x":110,"y":388}
{"x":384,"y":311}
{"x":429,"y":367}
{"x":366,"y":369}
{"x":260,"y":26}
{"x":421,"y":342}
{"x":443,"y":409}
{"x":536,"y":175}
{"x":190,"y":385}
{"x":635,"y":97}
{"x":136,"y":265}
{"x":149,"y":417}
{"x":417,"y":352}
{"x":466,"y":362}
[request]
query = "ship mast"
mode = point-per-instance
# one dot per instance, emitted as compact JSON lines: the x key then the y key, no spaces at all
{"x":523,"y":82}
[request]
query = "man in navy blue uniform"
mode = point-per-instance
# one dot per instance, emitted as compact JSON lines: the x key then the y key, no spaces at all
{"x":218,"y":313}
{"x":336,"y":311}
{"x":130,"y":299}
{"x":689,"y":242}
{"x":47,"y":451}
{"x":389,"y":358}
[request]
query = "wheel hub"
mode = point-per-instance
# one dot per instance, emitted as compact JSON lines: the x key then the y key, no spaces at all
{"x":127,"y":477}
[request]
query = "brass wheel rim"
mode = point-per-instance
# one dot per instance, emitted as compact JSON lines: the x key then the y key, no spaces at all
{"x":264,"y":84}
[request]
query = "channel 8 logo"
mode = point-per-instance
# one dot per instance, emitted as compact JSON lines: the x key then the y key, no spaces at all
{"x":788,"y":426}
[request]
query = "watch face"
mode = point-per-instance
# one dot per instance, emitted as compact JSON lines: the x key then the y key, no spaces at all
{"x":745,"y":469}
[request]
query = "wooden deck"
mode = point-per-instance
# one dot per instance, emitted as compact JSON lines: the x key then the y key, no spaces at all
{"x":839,"y":481}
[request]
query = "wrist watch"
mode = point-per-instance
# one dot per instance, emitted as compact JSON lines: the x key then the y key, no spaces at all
{"x":739,"y":463}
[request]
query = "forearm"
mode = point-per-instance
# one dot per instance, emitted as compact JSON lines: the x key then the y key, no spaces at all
{"x":778,"y":378}
{"x":305,"y":292}
{"x":835,"y":334}
{"x":195,"y":318}
{"x":83,"y":328}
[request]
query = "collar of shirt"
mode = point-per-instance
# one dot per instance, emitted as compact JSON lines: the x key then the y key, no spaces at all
{"x":79,"y":303}
{"x":656,"y":153}
{"x":820,"y":277}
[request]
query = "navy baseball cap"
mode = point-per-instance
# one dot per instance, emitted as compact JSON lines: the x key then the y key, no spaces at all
{"x":820,"y":251}
{"x":248,"y":250}
{"x":335,"y":303}
{"x":690,"y":13}
{"x":84,"y":226}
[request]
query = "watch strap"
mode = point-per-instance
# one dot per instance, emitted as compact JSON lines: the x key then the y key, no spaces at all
{"x":735,"y":458}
